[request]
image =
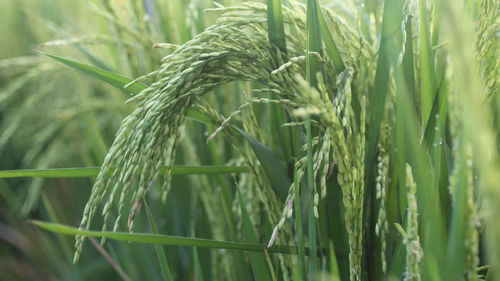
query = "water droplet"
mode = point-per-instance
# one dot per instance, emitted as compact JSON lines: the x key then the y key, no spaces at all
{"x":440,"y":140}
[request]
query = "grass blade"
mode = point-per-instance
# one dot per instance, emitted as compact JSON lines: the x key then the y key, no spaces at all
{"x":298,"y":225}
{"x":427,"y":195}
{"x":272,"y":166}
{"x":257,"y":260}
{"x":331,"y":48}
{"x":313,"y":66}
{"x":313,"y":63}
{"x":311,"y":192}
{"x":85,"y":172}
{"x":162,"y":258}
{"x":111,"y":78}
{"x":333,"y":262}
{"x":168,"y":240}
{"x":427,"y":74}
{"x":391,"y":23}
{"x":456,"y":248}
{"x":120,"y":82}
{"x":276,"y":30}
{"x":390,"y":27}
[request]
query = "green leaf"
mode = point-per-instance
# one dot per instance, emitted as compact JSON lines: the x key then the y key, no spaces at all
{"x":427,"y":73}
{"x":271,"y":165}
{"x":275,"y":29}
{"x":437,"y":117}
{"x":313,"y":63}
{"x":387,"y":54}
{"x":456,"y":246}
{"x":298,"y":227}
{"x":168,"y":240}
{"x":257,"y":260}
{"x":85,"y":172}
{"x":333,"y":262}
{"x":162,"y":258}
{"x":375,"y":110}
{"x":120,"y":82}
{"x":111,"y":78}
{"x":313,"y":66}
{"x":415,"y":154}
{"x":331,"y":48}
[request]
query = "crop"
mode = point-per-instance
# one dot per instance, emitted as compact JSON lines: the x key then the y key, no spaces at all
{"x":324,"y":140}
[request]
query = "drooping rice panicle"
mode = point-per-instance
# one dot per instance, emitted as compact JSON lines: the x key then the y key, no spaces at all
{"x":220,"y":54}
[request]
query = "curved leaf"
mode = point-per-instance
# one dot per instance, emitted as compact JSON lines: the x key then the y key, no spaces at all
{"x":271,"y":165}
{"x":168,"y":240}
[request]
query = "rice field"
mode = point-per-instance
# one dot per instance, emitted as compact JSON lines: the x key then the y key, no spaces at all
{"x":232,"y":140}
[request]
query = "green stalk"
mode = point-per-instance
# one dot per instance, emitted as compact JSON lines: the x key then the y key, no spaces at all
{"x":298,"y":227}
{"x":310,"y":183}
{"x":313,"y":66}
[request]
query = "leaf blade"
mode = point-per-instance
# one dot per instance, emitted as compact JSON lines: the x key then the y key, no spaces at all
{"x":162,"y":257}
{"x":147,"y":238}
{"x":83,"y":172}
{"x":271,"y":165}
{"x":331,"y":48}
{"x":276,"y":29}
{"x":257,"y":260}
{"x":114,"y":79}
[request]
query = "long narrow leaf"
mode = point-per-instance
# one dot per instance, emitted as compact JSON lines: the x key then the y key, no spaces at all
{"x":299,"y":229}
{"x":272,"y":166}
{"x":257,"y":260}
{"x":391,"y":27}
{"x":162,"y":257}
{"x":331,"y":48}
{"x":119,"y":81}
{"x":456,"y":254}
{"x":375,"y":111}
{"x":313,"y":48}
{"x":428,"y":73}
{"x":313,"y":66}
{"x":85,"y":172}
{"x":111,"y":78}
{"x":276,"y":30}
{"x":147,"y":238}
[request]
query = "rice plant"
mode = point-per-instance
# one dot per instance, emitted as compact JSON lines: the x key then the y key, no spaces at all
{"x":284,"y":140}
